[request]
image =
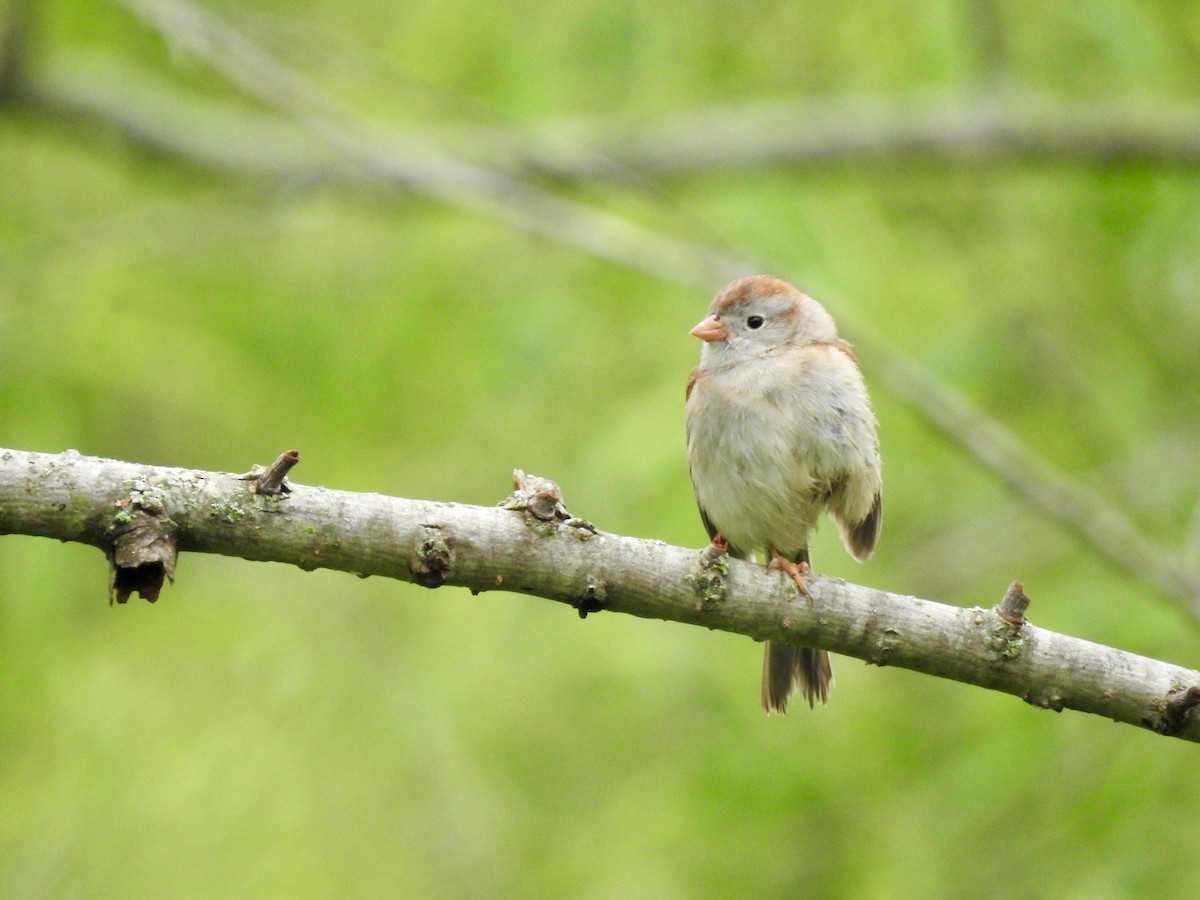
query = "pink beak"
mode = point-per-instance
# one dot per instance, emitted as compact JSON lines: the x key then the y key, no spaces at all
{"x":711,"y":329}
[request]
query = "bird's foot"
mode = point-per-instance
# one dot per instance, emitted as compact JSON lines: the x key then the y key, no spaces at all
{"x":797,"y":570}
{"x":715,"y":555}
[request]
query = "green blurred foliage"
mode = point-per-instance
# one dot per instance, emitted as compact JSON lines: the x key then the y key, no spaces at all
{"x":267,"y":732}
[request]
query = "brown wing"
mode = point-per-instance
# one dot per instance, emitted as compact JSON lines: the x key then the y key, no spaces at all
{"x":713,"y":531}
{"x":863,"y":536}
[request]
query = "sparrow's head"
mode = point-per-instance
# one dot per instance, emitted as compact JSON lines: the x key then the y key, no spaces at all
{"x":759,"y":315}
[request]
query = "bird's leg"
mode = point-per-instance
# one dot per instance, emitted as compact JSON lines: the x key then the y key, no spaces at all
{"x":797,"y":571}
{"x":714,"y":553}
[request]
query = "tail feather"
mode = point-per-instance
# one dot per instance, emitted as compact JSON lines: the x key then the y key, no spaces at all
{"x":787,"y":668}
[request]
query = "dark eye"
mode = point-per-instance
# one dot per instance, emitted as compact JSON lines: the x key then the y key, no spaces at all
{"x":755,"y":322}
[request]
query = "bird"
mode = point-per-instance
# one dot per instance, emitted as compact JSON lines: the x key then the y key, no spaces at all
{"x":779,"y":428}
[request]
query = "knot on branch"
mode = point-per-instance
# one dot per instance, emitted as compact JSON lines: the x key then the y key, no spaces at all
{"x":431,"y":560}
{"x":270,"y":481}
{"x":1007,"y":635}
{"x":1012,"y":606}
{"x":1178,"y":711}
{"x":593,"y":599}
{"x":541,"y":501}
{"x":142,"y":544}
{"x":711,"y":583}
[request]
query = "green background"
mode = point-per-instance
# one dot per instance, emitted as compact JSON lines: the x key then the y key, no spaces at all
{"x":267,"y":732}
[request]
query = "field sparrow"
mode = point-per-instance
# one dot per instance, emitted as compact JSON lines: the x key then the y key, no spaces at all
{"x":779,"y":427}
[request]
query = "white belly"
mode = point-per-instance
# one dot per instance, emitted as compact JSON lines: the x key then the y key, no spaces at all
{"x":765,"y":456}
{"x":752,"y":480}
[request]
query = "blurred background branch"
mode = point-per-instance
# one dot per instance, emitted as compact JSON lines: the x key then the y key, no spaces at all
{"x":1078,"y":505}
{"x":979,"y":129}
{"x":386,"y":156}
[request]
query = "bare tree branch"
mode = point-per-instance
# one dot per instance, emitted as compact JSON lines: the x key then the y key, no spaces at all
{"x":358,"y":148}
{"x":532,"y":545}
